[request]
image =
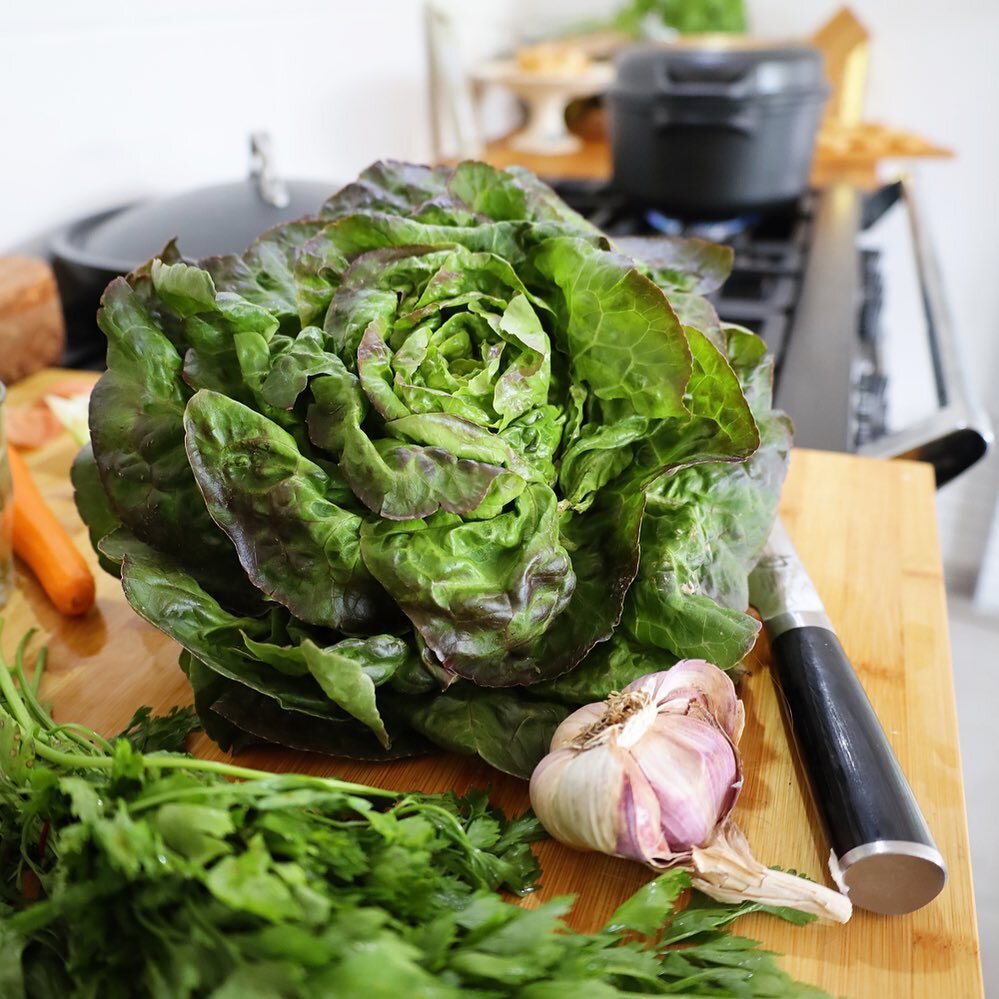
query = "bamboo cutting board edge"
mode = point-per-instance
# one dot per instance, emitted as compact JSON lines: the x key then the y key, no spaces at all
{"x":865,"y":529}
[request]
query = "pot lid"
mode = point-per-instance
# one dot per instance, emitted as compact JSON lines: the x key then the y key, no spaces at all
{"x":732,"y":66}
{"x":208,"y":221}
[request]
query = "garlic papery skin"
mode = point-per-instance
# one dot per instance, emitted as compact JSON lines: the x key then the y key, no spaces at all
{"x":695,"y":773}
{"x":647,"y":773}
{"x":652,"y":774}
{"x":728,"y":872}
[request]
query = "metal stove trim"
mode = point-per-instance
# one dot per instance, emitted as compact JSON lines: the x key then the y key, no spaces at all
{"x":960,"y":432}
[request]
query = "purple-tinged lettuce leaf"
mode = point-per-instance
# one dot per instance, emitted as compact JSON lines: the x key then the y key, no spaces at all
{"x":537,"y":626}
{"x":687,"y":265}
{"x":216,"y":642}
{"x":284,"y":514}
{"x":389,"y":186}
{"x":263,"y":275}
{"x":622,"y":338}
{"x":477,"y":589}
{"x":93,"y":504}
{"x":691,"y":591}
{"x":250,"y":717}
{"x":137,"y":436}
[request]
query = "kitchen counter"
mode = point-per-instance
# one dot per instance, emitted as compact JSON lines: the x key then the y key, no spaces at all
{"x":850,"y":156}
{"x":865,"y":529}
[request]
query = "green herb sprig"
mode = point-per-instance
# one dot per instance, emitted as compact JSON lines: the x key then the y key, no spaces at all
{"x":128,"y":874}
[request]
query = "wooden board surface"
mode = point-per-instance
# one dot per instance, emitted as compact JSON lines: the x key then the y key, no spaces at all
{"x":866,"y":530}
{"x":852,"y":155}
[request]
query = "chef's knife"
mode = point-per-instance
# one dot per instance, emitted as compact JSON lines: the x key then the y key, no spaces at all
{"x":882,"y":849}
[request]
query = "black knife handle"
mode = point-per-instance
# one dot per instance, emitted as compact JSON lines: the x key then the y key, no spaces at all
{"x":861,"y":794}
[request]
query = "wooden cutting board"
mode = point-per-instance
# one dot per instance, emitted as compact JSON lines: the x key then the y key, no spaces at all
{"x":865,"y":529}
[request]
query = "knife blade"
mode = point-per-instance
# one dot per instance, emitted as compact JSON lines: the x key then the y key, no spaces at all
{"x":882,"y":851}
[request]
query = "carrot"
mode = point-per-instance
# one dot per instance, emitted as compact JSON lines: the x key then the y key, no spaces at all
{"x":46,"y":546}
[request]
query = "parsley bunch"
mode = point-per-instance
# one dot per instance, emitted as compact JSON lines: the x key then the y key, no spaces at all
{"x":127,"y":873}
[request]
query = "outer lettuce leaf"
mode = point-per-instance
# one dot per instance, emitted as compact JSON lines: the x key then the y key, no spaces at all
{"x":691,"y":590}
{"x":471,"y":192}
{"x":335,"y":687}
{"x":137,"y":436}
{"x":390,"y":186}
{"x":621,"y":335}
{"x":251,"y":717}
{"x":172,"y":601}
{"x":208,"y":686}
{"x":477,"y":590}
{"x":509,"y":731}
{"x":93,"y":505}
{"x":687,"y":270}
{"x":610,"y":666}
{"x":547,"y":615}
{"x":281,"y":511}
{"x":690,"y":266}
{"x":264,"y":274}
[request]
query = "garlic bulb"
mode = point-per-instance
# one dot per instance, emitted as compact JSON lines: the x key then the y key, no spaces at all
{"x":653,"y":774}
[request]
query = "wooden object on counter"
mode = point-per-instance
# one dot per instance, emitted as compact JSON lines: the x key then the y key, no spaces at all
{"x":847,"y":147}
{"x":842,"y":155}
{"x":32,"y":330}
{"x":845,"y":47}
{"x":591,"y":161}
{"x":854,"y":153}
{"x":866,"y":532}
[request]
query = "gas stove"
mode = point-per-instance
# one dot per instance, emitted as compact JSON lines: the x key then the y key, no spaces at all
{"x":844,"y":289}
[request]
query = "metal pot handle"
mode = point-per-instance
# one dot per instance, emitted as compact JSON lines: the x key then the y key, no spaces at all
{"x":745,"y":120}
{"x":271,"y":188}
{"x":673,"y":86}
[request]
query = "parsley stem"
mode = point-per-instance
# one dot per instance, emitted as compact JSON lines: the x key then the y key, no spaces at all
{"x":37,"y":728}
{"x":191,"y":763}
{"x":9,"y":691}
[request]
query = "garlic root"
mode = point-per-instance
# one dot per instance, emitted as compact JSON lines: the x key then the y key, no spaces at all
{"x":728,"y":872}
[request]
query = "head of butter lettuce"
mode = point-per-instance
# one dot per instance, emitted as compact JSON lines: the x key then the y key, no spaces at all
{"x":430,"y":468}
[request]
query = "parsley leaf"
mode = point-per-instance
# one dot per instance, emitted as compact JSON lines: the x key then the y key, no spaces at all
{"x":149,"y":733}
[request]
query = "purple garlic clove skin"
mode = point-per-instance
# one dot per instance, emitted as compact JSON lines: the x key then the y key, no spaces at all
{"x":652,"y":774}
{"x":697,"y":681}
{"x":695,"y":772}
{"x":648,"y":774}
{"x":623,"y":823}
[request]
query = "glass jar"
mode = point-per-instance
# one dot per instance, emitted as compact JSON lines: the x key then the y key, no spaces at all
{"x":6,"y":513}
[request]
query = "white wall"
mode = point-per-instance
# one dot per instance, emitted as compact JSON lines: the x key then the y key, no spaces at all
{"x":111,"y":99}
{"x":107,"y":100}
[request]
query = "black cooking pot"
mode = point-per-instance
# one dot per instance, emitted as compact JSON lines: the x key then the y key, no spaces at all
{"x":224,"y":218}
{"x":715,"y":127}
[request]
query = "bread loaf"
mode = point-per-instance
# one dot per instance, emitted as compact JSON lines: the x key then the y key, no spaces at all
{"x":32,"y":329}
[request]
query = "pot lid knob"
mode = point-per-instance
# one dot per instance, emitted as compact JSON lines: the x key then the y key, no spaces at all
{"x":271,"y":188}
